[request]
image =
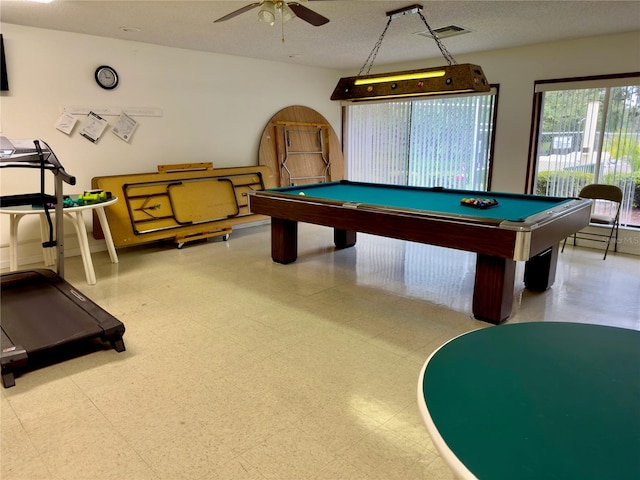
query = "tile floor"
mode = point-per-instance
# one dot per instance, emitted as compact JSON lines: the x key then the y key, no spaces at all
{"x":238,"y":368}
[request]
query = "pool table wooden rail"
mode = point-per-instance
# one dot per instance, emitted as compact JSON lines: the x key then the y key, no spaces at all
{"x":471,"y":233}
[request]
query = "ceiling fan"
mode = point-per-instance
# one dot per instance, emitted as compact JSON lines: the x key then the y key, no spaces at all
{"x":289,"y":10}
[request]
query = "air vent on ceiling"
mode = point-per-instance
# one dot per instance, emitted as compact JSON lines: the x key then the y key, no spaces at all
{"x":444,"y":32}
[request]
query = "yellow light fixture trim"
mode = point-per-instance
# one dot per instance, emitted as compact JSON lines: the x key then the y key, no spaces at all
{"x":395,"y":78}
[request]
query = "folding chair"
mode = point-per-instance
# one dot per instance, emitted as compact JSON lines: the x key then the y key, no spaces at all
{"x":600,"y":194}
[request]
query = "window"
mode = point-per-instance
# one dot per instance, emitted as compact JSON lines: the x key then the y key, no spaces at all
{"x":444,"y":141}
{"x":588,"y":131}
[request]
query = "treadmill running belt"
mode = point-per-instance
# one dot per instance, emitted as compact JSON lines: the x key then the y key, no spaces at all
{"x":39,"y":328}
{"x":41,"y":312}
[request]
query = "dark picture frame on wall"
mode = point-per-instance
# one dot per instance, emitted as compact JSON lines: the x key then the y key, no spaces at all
{"x":4,"y":80}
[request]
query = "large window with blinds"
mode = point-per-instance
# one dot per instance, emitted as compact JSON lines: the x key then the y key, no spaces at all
{"x":444,"y":141}
{"x":588,"y":131}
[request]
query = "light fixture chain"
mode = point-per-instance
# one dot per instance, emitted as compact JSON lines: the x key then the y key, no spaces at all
{"x":281,"y":21}
{"x":374,"y":52}
{"x":445,"y":53}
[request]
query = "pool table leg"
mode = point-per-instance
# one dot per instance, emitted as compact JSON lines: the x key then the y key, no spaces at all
{"x":284,"y":240}
{"x":493,"y":290}
{"x":344,"y":238}
{"x":540,"y":271}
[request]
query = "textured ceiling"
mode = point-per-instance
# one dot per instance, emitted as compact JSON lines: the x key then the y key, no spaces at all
{"x":343,"y":43}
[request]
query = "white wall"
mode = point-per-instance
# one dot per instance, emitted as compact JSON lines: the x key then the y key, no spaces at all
{"x":216,"y":106}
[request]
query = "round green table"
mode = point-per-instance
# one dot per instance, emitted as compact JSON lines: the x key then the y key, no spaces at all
{"x":540,"y":400}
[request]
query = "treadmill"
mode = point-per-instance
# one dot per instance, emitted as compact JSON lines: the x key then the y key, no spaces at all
{"x":43,"y":318}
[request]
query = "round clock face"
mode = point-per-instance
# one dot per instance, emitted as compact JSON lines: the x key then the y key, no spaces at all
{"x":106,"y":77}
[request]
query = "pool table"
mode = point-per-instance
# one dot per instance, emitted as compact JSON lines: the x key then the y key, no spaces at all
{"x":519,"y":228}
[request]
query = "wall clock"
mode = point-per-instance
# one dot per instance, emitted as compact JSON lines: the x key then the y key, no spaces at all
{"x":106,"y":77}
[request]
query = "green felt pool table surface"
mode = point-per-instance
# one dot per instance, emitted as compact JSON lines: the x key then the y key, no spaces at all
{"x":511,"y":207}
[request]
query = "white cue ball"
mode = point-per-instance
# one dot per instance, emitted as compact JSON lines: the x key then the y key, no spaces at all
{"x":301,"y":193}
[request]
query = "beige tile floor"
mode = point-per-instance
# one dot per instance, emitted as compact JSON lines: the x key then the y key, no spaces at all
{"x":238,"y":368}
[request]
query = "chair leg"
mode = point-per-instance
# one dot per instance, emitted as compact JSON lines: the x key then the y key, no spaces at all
{"x":615,"y":245}
{"x":609,"y":243}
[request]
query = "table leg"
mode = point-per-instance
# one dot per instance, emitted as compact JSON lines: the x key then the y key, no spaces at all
{"x":14,"y":220}
{"x":344,"y":238}
{"x":493,"y":290}
{"x":107,"y":234}
{"x":540,"y":271}
{"x":284,"y":240}
{"x":81,"y":231}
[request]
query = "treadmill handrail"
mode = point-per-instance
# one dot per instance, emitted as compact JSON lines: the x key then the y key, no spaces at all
{"x":33,"y":161}
{"x":53,"y":160}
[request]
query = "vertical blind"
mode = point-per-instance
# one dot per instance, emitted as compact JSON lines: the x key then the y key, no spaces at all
{"x":443,"y":141}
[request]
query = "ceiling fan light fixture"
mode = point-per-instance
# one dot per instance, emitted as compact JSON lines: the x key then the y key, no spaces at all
{"x":288,"y":10}
{"x":287,"y":13}
{"x":267,"y":13}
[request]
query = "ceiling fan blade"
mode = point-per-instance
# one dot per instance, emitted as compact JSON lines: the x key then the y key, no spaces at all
{"x":237,"y":12}
{"x":308,"y":15}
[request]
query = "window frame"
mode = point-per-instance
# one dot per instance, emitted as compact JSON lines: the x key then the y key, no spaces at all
{"x":540,"y":87}
{"x":494,"y":92}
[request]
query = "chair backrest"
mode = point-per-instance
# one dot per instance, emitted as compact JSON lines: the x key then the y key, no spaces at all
{"x":599,"y":191}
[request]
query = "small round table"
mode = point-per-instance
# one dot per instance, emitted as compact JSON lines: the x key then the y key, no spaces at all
{"x":75,"y":214}
{"x":536,"y":400}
